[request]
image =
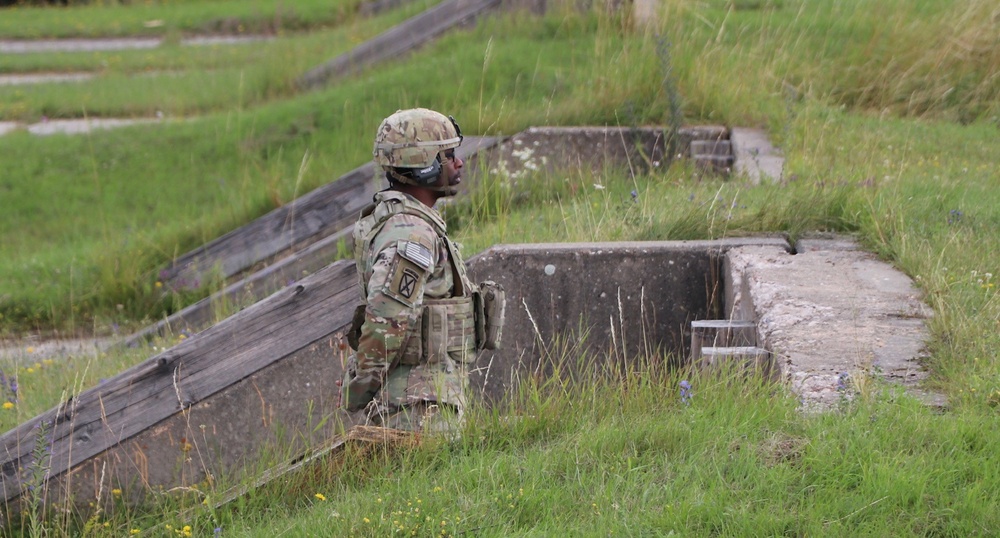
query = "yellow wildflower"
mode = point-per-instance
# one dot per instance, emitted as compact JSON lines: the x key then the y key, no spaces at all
{"x":8,"y":405}
{"x":320,"y":496}
{"x":133,"y":532}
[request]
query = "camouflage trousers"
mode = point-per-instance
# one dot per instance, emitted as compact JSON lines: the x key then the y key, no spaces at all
{"x":425,"y":417}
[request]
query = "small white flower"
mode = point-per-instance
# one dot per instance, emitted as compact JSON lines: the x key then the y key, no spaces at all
{"x":598,"y":186}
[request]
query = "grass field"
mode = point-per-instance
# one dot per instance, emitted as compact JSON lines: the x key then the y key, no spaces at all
{"x":177,"y":80}
{"x":888,"y":116}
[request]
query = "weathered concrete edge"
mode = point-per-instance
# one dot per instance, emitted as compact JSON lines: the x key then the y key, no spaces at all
{"x":901,"y":350}
{"x":624,"y":247}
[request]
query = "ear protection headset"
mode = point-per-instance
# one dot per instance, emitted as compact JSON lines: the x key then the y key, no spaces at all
{"x":423,"y":176}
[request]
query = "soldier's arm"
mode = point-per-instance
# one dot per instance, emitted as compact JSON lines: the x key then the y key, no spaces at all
{"x":395,"y":299}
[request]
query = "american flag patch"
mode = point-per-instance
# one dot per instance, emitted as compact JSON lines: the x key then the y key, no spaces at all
{"x":417,"y":253}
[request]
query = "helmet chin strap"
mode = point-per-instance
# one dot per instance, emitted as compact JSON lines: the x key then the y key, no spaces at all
{"x":447,"y":190}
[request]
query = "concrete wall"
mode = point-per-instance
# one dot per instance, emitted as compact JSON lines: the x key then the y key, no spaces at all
{"x":634,"y":298}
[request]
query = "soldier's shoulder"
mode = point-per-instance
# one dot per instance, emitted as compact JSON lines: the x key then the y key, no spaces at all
{"x":405,"y":224}
{"x":404,"y":227}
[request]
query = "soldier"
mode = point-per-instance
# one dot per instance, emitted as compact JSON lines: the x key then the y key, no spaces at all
{"x":423,"y":320}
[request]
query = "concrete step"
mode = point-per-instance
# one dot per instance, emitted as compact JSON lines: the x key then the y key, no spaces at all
{"x":716,"y":333}
{"x":722,"y":164}
{"x":721,"y":148}
{"x":749,"y":359}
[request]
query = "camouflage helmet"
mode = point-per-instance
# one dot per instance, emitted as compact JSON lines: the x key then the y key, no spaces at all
{"x":412,"y":139}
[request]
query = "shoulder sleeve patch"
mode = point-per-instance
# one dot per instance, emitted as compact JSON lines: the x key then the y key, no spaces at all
{"x":417,"y":252}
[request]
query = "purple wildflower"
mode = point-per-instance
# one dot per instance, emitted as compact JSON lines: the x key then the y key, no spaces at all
{"x":686,"y":392}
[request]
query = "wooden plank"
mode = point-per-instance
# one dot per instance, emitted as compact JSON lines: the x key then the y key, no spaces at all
{"x":399,"y":40}
{"x":262,"y":283}
{"x":190,"y":372}
{"x":324,"y":211}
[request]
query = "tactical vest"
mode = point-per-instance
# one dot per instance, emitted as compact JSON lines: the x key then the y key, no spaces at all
{"x":445,"y":325}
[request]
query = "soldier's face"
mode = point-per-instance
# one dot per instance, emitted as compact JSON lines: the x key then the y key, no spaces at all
{"x":451,"y":170}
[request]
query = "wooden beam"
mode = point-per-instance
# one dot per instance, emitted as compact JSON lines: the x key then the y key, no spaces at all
{"x":399,"y":40}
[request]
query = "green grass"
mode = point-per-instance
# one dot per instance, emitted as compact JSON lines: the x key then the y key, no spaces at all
{"x":163,"y":17}
{"x":732,"y":463}
{"x":874,"y":147}
{"x":177,"y":80}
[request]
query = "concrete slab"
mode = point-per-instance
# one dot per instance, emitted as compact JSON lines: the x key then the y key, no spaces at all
{"x":36,"y":348}
{"x":756,"y":158}
{"x":831,"y":314}
{"x":21,"y":79}
{"x":29,"y":46}
{"x":264,"y":378}
{"x":83,"y":126}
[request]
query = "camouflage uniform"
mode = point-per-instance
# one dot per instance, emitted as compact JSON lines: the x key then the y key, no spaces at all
{"x":418,"y":332}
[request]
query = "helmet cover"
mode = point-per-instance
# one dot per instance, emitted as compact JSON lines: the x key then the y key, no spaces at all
{"x":413,"y":138}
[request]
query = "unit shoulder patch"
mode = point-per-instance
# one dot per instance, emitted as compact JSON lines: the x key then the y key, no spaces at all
{"x":406,"y":281}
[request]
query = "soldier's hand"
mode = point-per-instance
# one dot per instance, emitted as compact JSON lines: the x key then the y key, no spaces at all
{"x":356,"y":393}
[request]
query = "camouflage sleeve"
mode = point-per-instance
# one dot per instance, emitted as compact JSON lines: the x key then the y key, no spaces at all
{"x":402,"y":263}
{"x":387,"y":319}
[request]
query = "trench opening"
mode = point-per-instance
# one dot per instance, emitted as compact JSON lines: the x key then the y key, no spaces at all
{"x":578,"y":310}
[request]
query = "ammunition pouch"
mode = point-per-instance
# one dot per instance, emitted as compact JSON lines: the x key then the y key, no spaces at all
{"x":445,"y":327}
{"x":490,"y":302}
